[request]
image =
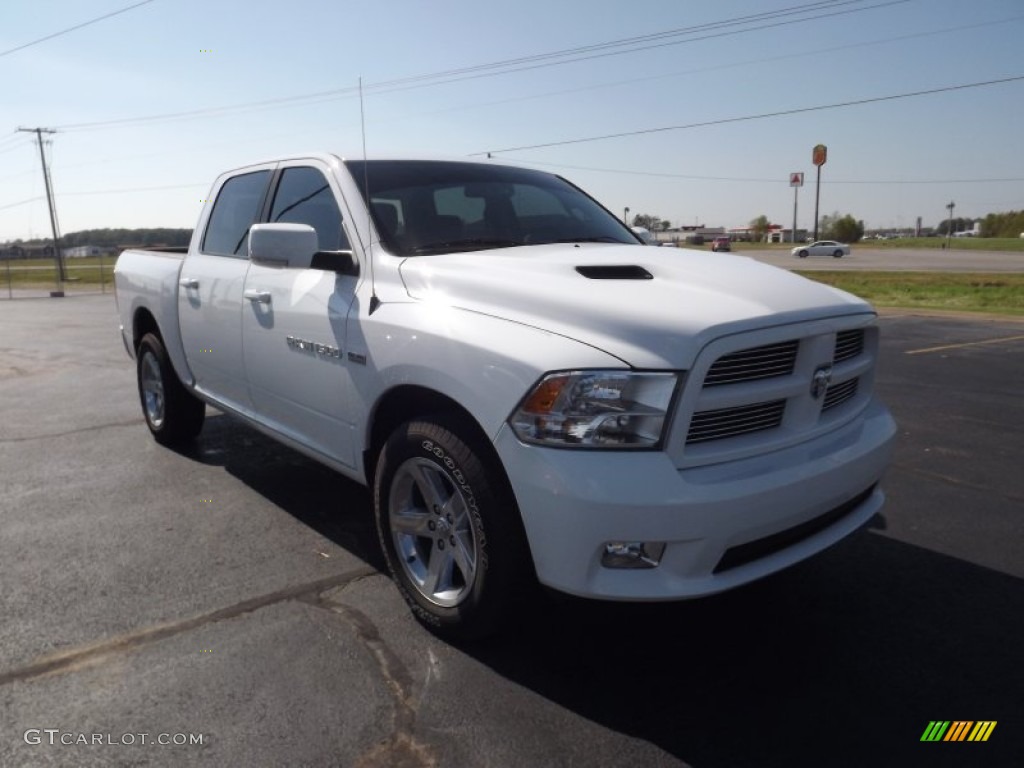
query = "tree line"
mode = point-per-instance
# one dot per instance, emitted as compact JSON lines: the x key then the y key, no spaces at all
{"x":845,"y":228}
{"x":652,"y":223}
{"x":116,"y":238}
{"x":1010,"y":224}
{"x":837,"y":226}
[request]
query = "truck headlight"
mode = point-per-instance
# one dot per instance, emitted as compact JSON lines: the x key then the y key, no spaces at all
{"x":596,"y":409}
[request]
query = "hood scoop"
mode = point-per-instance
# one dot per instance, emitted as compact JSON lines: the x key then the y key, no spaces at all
{"x":615,"y":272}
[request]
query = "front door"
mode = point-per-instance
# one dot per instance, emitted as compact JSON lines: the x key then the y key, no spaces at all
{"x":293,"y":325}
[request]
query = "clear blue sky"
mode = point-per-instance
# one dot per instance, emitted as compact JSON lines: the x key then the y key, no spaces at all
{"x":174,"y":56}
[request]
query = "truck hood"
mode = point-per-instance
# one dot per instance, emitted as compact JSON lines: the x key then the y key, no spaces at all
{"x":661,"y":321}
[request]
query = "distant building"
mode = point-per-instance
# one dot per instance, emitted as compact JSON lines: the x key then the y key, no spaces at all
{"x":776,"y":234}
{"x":26,"y":251}
{"x":694,"y":234}
{"x":80,"y":251}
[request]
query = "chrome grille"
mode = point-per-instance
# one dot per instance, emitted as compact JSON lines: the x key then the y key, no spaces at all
{"x":837,"y":394}
{"x":730,"y":422}
{"x":848,"y":344}
{"x":753,"y":364}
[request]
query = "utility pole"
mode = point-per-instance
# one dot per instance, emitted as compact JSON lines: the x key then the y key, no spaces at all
{"x":949,"y":227}
{"x":58,"y":258}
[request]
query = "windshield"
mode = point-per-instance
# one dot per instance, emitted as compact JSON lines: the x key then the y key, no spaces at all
{"x":421,"y":207}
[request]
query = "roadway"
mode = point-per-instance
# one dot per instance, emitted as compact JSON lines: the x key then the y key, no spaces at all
{"x":865,"y":257}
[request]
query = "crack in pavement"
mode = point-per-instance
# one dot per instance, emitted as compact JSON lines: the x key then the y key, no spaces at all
{"x":403,"y":750}
{"x":93,"y":428}
{"x":73,"y":658}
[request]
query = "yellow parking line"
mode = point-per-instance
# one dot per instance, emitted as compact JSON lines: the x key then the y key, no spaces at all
{"x":965,"y":344}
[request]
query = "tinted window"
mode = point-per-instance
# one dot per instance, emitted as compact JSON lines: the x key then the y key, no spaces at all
{"x":304,"y":197}
{"x":236,"y":209}
{"x":421,"y":207}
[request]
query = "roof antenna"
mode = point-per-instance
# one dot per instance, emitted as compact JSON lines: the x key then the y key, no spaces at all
{"x":374,"y":301}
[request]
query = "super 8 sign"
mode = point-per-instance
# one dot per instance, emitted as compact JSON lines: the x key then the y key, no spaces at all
{"x":819,"y":154}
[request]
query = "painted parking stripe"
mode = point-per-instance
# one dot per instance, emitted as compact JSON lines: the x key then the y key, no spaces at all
{"x":944,"y":347}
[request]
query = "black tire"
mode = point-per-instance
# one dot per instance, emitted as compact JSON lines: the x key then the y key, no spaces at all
{"x":173,"y":414}
{"x":802,"y":254}
{"x":837,"y":254}
{"x":459,"y":557}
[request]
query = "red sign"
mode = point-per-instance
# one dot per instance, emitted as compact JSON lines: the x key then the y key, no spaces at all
{"x":819,"y":155}
{"x":796,"y":179}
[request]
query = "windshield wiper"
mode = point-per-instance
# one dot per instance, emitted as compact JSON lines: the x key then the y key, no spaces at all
{"x":597,"y":239}
{"x":469,"y":244}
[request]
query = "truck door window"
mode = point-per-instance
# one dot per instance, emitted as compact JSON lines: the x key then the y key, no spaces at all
{"x":304,"y":197}
{"x":236,"y":209}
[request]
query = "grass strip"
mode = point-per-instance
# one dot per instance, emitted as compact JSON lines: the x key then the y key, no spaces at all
{"x":994,"y":293}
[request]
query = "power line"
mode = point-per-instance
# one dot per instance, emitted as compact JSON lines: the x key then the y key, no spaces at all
{"x":925,"y":181}
{"x":510,"y":66}
{"x":776,"y":180}
{"x":384,"y":87}
{"x":604,"y":85}
{"x":21,"y":202}
{"x":761,"y":116}
{"x":17,"y":146}
{"x":134,"y":189}
{"x":12,"y":136}
{"x":630,"y":41}
{"x":72,"y":29}
{"x":17,"y":175}
{"x":729,"y":65}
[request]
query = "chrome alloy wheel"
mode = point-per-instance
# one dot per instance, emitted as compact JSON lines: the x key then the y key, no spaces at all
{"x":433,"y":532}
{"x":152,"y":390}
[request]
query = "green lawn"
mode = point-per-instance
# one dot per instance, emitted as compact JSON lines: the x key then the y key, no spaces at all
{"x":960,"y":292}
{"x":956,"y":243}
{"x":23,"y":273}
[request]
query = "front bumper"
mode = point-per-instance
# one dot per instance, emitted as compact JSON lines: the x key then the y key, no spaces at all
{"x":784,"y":506}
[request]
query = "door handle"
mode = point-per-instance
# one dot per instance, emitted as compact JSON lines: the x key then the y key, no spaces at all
{"x":188,"y":283}
{"x":263,"y":297}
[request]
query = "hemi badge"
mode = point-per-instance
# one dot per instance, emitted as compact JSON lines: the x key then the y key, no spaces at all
{"x":353,"y":357}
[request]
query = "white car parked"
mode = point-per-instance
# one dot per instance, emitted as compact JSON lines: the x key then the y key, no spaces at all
{"x":822,"y":248}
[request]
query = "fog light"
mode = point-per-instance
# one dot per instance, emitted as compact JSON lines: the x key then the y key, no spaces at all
{"x":632,"y":554}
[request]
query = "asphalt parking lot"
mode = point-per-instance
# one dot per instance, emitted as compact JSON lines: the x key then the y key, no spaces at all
{"x":234,"y":593}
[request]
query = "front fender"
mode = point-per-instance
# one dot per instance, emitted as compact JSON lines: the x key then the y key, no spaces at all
{"x":485,"y":364}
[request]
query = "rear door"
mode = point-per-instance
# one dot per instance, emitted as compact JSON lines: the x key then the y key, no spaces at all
{"x":293,"y":323}
{"x":211,"y":284}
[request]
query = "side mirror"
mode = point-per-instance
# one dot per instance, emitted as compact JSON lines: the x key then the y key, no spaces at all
{"x":285,"y":245}
{"x":295,"y":246}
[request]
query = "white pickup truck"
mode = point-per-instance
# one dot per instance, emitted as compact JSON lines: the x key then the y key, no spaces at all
{"x":530,"y":392}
